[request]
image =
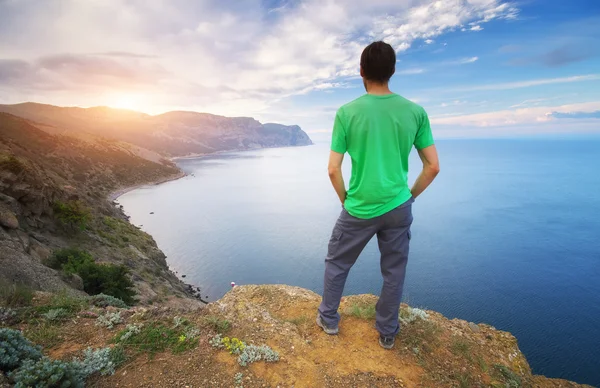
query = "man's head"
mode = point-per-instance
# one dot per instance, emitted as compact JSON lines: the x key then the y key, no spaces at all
{"x":377,"y":63}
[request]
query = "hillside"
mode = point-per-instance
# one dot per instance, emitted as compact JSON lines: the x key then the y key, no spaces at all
{"x":170,"y":134}
{"x":265,"y":336}
{"x":53,"y":191}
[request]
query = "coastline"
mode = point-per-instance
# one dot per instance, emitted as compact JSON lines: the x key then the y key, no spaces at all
{"x":113,"y":196}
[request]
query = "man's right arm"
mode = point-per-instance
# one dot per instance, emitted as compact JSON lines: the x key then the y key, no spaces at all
{"x":431,"y":167}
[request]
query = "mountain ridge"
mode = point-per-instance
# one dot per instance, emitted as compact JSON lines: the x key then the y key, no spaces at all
{"x":171,"y":134}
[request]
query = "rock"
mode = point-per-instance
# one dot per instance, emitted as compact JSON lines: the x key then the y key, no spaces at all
{"x":474,"y":327}
{"x":8,"y":219}
{"x":72,"y":280}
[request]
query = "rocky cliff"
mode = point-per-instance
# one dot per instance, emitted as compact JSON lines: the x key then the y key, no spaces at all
{"x":53,"y":195}
{"x":169,"y":134}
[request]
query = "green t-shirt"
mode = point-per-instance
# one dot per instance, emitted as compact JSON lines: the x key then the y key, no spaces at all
{"x":378,"y":132}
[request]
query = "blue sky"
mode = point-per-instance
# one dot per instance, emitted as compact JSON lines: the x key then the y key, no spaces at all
{"x":479,"y":67}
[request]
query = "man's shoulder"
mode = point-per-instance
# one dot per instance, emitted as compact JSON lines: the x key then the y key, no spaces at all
{"x":349,"y":106}
{"x":360,"y":102}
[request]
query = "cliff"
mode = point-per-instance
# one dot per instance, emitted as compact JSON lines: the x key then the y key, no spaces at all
{"x":53,"y":191}
{"x":170,"y":134}
{"x":265,"y":336}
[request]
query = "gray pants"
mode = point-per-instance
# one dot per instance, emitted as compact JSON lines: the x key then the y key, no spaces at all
{"x":349,"y":237}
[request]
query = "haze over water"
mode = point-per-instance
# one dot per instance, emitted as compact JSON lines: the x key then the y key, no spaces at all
{"x":507,"y":235}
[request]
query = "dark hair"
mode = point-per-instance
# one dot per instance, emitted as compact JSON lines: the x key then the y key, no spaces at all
{"x":378,"y":62}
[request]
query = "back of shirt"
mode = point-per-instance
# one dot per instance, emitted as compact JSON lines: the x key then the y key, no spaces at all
{"x":378,"y":132}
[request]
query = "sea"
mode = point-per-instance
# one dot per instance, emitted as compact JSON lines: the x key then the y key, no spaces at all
{"x":508,"y":234}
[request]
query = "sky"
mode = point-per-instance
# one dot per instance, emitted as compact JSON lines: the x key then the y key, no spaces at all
{"x":478,"y":67}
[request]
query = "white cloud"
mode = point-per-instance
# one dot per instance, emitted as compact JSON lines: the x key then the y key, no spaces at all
{"x":412,"y":71}
{"x":512,"y":117}
{"x":529,"y":83}
{"x":235,"y":58}
{"x":468,"y":60}
{"x":429,"y":41}
{"x":476,"y":27}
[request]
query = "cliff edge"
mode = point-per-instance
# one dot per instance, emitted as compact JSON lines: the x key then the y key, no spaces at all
{"x":265,"y":336}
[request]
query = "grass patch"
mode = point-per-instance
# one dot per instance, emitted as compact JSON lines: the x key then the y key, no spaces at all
{"x":157,"y":337}
{"x":461,"y":347}
{"x":45,"y":334}
{"x":424,"y":336}
{"x":218,"y":324}
{"x":15,"y":295}
{"x":509,"y":378}
{"x":482,"y":364}
{"x":298,"y":321}
{"x":362,"y":310}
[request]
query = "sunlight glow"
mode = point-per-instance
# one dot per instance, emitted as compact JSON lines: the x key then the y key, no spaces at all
{"x":126,"y":101}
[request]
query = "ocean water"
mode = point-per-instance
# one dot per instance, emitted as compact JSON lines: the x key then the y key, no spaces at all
{"x":509,"y":234}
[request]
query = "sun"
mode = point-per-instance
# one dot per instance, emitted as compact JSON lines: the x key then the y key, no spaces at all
{"x":125,"y":101}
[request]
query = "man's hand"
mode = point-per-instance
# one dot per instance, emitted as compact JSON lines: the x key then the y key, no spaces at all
{"x":335,"y":174}
{"x":431,"y":167}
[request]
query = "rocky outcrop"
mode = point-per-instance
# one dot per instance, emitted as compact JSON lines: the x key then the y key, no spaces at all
{"x":430,"y":352}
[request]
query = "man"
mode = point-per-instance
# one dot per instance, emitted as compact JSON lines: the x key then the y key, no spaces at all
{"x":378,"y":131}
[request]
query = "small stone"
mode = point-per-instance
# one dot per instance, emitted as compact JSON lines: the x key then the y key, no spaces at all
{"x":8,"y":219}
{"x":474,"y":327}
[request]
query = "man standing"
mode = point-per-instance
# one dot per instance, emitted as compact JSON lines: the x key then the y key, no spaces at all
{"x":378,"y":131}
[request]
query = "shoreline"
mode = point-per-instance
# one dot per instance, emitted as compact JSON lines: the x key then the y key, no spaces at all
{"x":113,"y":196}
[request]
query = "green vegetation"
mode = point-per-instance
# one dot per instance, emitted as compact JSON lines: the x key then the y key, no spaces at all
{"x":109,"y":320}
{"x":16,"y":349}
{"x":103,"y":300}
{"x":362,"y":310}
{"x":218,"y":324}
{"x":15,"y":295}
{"x":461,"y":347}
{"x":12,"y":164}
{"x":73,"y":215}
{"x":247,"y":353}
{"x":45,"y":334}
{"x":46,"y":373}
{"x":510,"y":378}
{"x":156,"y":337}
{"x":105,"y":279}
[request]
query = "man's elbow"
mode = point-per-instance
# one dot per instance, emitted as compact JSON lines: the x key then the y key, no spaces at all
{"x":433,"y":169}
{"x":334,"y":171}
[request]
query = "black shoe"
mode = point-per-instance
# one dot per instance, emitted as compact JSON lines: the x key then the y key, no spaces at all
{"x":386,"y":342}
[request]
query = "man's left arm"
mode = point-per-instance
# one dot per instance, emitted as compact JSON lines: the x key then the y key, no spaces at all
{"x":335,"y":174}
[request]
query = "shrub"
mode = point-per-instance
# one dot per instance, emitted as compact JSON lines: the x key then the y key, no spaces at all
{"x":55,"y":314}
{"x":253,"y":353}
{"x":130,"y":331}
{"x":410,"y":315}
{"x":47,"y":373}
{"x":15,"y":349}
{"x":68,"y":259}
{"x":72,"y":214}
{"x":218,"y":324}
{"x":107,"y":279}
{"x":109,"y":320}
{"x":95,"y":361}
{"x":12,"y":164}
{"x":7,"y":315}
{"x":247,"y":353}
{"x":192,"y":332}
{"x":15,"y":295}
{"x":103,"y":300}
